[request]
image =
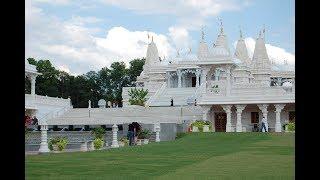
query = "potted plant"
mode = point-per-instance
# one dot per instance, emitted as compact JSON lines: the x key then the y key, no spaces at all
{"x":58,"y":144}
{"x":98,"y":143}
{"x":98,"y":134}
{"x":143,"y":136}
{"x":291,"y":127}
{"x":123,"y":142}
{"x":206,"y":126}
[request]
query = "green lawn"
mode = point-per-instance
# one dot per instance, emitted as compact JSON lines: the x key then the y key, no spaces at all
{"x":195,"y":156}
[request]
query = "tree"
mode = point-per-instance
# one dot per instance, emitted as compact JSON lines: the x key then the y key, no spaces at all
{"x":47,"y":83}
{"x":118,"y":78}
{"x":104,"y":84}
{"x":138,"y":96}
{"x":136,"y":67}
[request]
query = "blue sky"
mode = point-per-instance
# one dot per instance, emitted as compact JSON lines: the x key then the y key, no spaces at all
{"x":79,"y":36}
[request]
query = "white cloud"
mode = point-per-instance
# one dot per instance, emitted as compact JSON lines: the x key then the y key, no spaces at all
{"x":180,"y":37}
{"x":276,"y":54}
{"x":64,"y":68}
{"x":191,"y":14}
{"x":74,"y":46}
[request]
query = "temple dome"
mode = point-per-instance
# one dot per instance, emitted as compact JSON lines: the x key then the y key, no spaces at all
{"x":102,"y":103}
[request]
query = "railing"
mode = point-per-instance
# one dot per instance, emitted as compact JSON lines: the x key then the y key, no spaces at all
{"x":160,"y":91}
{"x":37,"y":99}
{"x":54,"y":114}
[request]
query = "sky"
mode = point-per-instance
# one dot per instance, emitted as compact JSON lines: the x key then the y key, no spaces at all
{"x":78,"y":36}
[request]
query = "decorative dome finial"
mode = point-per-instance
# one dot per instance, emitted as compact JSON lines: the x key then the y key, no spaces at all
{"x":259,"y":34}
{"x":264,"y":31}
{"x":221,"y":26}
{"x":240,"y":33}
{"x":202,"y":34}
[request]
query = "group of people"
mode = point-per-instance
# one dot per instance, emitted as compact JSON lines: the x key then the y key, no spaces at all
{"x":30,"y":121}
{"x":132,"y":135}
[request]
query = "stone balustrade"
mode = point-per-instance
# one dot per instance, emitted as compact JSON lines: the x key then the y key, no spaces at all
{"x":45,"y":100}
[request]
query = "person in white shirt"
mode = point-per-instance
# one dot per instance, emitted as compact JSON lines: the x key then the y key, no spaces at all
{"x":264,"y":123}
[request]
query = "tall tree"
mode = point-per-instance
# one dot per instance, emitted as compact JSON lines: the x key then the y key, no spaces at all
{"x":105,"y":84}
{"x":135,"y":69}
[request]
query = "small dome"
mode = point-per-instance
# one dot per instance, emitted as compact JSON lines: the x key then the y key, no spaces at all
{"x":102,"y":103}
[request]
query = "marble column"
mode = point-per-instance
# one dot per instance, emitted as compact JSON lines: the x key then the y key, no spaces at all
{"x":204,"y":74}
{"x":168,"y":80}
{"x":205,"y":111}
{"x":239,"y":108}
{"x":44,"y":139}
{"x":279,"y":108}
{"x":227,"y":109}
{"x":228,"y":88}
{"x":264,"y":110}
{"x":293,"y":85}
{"x":198,"y":71}
{"x":33,"y":84}
{"x":179,"y":73}
{"x":115,"y":143}
{"x":157,"y":130}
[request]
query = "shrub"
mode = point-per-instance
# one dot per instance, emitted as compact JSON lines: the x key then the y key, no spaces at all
{"x":98,"y":143}
{"x":124,"y":140}
{"x":200,"y":124}
{"x":98,"y":133}
{"x":138,"y":96}
{"x":144,"y":134}
{"x":62,"y":144}
{"x":180,"y":135}
{"x":59,"y":141}
{"x":291,"y":126}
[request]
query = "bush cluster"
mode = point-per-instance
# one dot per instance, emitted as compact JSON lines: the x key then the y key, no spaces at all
{"x":291,"y":126}
{"x":200,"y":124}
{"x":98,"y":143}
{"x":144,"y":134}
{"x":61,"y":142}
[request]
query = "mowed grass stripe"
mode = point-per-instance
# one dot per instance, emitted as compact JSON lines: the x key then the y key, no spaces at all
{"x":157,"y":160}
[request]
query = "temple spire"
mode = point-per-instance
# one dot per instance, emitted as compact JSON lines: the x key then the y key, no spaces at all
{"x":202,"y":34}
{"x":263,"y":31}
{"x":240,"y":33}
{"x":221,"y":26}
{"x":259,"y":34}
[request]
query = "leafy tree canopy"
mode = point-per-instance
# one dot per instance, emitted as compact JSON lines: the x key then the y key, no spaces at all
{"x":105,"y":84}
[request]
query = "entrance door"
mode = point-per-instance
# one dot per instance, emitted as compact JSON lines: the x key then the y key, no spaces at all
{"x":292,"y":116}
{"x":194,"y":81}
{"x":220,"y":122}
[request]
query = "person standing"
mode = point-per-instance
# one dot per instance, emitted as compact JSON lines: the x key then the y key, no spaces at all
{"x":130,"y":134}
{"x":171,"y":101}
{"x":264,"y":124}
{"x":35,"y":120}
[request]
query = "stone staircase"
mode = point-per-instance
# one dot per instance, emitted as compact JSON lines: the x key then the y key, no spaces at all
{"x":179,"y":96}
